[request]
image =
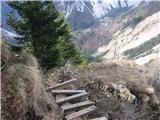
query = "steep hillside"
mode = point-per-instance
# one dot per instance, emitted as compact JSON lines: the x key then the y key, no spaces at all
{"x":142,"y":40}
{"x":120,"y":89}
{"x":89,"y":40}
{"x":23,"y":94}
{"x":136,"y":35}
{"x":114,"y":86}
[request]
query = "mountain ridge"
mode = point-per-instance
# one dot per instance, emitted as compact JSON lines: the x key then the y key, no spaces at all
{"x":78,"y":10}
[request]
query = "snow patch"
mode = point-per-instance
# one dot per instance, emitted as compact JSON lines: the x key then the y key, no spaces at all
{"x":146,"y":59}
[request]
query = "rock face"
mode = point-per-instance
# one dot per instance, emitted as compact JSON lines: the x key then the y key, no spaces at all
{"x":139,"y":42}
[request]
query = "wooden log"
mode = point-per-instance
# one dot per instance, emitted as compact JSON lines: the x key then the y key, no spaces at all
{"x":67,"y":103}
{"x":67,"y":92}
{"x":100,"y":118}
{"x":80,"y":113}
{"x":76,"y":105}
{"x":65,"y":99}
{"x":60,"y":84}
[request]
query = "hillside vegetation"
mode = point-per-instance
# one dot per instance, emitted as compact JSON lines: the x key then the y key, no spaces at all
{"x":120,"y":88}
{"x":146,"y":46}
{"x":23,"y":94}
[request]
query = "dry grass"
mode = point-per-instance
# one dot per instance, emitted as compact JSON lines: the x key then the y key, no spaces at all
{"x":99,"y":80}
{"x":99,"y":76}
{"x":29,"y":60}
{"x":23,"y":93}
{"x":154,"y":71}
{"x":5,"y":53}
{"x":18,"y":89}
{"x":122,"y":70}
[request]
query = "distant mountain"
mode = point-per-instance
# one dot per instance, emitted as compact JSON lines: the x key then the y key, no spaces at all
{"x":138,"y":36}
{"x":81,"y":13}
{"x":97,"y":8}
{"x":89,"y":19}
{"x":85,"y":14}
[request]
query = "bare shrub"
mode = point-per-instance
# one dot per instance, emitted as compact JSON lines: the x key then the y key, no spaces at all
{"x":156,"y":80}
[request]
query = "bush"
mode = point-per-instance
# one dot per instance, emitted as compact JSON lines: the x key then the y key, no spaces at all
{"x":83,"y":64}
{"x":133,"y":22}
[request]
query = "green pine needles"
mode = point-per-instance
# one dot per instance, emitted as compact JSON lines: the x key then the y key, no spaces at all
{"x":45,"y":33}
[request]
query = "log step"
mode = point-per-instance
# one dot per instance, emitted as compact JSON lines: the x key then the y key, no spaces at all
{"x":80,"y":113}
{"x":65,"y":99}
{"x":100,"y":118}
{"x":67,"y":92}
{"x":61,"y":84}
{"x":76,"y":105}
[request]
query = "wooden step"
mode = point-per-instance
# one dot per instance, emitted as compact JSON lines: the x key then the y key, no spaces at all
{"x":67,"y":92}
{"x":67,"y":103}
{"x":65,"y":99}
{"x":76,"y":105}
{"x":61,"y":84}
{"x":80,"y":113}
{"x":100,"y":118}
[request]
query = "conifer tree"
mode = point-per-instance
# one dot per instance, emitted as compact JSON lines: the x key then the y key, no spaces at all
{"x":44,"y":31}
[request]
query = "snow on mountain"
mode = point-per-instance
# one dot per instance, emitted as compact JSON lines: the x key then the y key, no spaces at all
{"x":84,"y":14}
{"x":80,"y":13}
{"x":146,"y":59}
{"x":140,"y":43}
{"x":8,"y":33}
{"x":9,"y":37}
{"x":97,"y":8}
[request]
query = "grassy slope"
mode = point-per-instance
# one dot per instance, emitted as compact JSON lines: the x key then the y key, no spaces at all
{"x":23,"y":94}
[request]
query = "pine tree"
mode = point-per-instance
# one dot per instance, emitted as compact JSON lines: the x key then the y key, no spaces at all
{"x":44,"y":31}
